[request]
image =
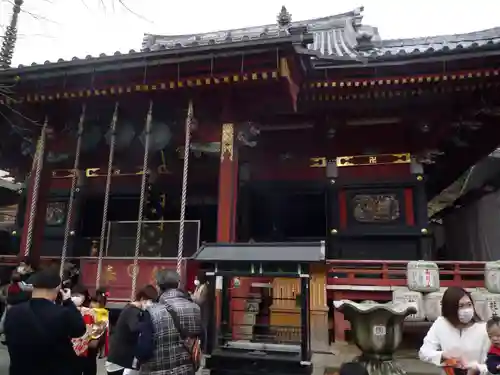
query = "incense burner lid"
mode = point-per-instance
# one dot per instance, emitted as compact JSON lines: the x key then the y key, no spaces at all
{"x":349,"y":307}
{"x":376,"y":327}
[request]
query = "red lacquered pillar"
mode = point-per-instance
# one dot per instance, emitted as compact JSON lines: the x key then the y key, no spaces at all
{"x":228,"y":186}
{"x":226,"y":218}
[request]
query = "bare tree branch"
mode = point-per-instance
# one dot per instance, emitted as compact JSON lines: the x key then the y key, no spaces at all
{"x":125,"y":6}
{"x":37,"y":17}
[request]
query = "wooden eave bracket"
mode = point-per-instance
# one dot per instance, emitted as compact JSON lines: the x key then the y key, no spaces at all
{"x":329,"y":58}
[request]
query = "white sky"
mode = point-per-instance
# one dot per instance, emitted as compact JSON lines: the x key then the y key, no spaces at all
{"x":83,"y":27}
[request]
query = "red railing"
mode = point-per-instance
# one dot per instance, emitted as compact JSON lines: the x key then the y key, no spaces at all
{"x":360,"y":280}
{"x":393,"y":273}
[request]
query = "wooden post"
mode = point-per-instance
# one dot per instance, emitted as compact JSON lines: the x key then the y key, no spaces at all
{"x":228,"y":185}
{"x":226,"y":219}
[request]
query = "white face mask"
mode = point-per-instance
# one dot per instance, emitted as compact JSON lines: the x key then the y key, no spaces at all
{"x":146,"y":304}
{"x":465,"y":315}
{"x":77,"y":300}
{"x":197,"y":282}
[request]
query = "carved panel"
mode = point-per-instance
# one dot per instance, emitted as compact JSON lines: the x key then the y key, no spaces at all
{"x":227,"y":142}
{"x":376,"y":208}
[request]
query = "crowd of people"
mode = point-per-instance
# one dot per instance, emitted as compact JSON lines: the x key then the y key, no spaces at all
{"x":66,"y":330}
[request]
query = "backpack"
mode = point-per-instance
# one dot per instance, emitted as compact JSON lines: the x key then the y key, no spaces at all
{"x":191,"y":344}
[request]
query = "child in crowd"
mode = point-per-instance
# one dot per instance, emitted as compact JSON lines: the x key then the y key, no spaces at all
{"x":101,"y":326}
{"x":99,"y":335}
{"x":493,"y":359}
{"x":81,"y":299}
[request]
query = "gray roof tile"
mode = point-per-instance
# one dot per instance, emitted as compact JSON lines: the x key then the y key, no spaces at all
{"x":338,"y":36}
{"x":341,"y":36}
{"x":441,"y":43}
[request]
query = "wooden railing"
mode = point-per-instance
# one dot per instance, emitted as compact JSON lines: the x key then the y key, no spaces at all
{"x":360,"y":280}
{"x":386,"y":273}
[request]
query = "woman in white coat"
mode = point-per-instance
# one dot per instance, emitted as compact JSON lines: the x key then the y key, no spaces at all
{"x":458,"y":339}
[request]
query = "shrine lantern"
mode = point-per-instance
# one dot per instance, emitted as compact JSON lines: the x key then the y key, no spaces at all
{"x":492,"y":276}
{"x":422,"y":276}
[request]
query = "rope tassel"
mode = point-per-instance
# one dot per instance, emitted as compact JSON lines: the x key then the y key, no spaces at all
{"x":106,"y":193}
{"x":74,"y":181}
{"x":37,"y":167}
{"x":187,"y":145}
{"x":142,"y":201}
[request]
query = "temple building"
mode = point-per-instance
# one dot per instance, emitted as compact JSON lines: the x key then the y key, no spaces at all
{"x":317,"y":132}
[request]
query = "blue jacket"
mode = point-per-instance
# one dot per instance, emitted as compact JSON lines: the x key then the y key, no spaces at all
{"x":493,"y":360}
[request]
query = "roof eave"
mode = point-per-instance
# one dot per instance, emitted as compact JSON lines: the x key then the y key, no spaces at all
{"x":147,"y":58}
{"x":301,"y":50}
{"x":426,"y":57}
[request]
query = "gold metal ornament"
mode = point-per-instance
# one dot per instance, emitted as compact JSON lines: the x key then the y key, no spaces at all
{"x":109,"y":274}
{"x":227,"y":141}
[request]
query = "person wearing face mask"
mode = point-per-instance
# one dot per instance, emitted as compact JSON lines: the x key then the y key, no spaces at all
{"x":38,"y":332}
{"x":457,"y":340}
{"x":81,"y":299}
{"x":169,"y":339}
{"x":25,"y":269}
{"x":122,"y":348}
{"x":200,"y":297}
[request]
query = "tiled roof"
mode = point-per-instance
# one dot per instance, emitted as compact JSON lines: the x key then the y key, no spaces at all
{"x":337,"y":37}
{"x":439,"y":43}
{"x":341,"y":36}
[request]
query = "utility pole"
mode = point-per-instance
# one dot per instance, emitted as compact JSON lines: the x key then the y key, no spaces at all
{"x":9,"y":39}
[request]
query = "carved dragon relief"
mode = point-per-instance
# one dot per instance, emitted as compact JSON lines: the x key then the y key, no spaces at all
{"x":247,"y":135}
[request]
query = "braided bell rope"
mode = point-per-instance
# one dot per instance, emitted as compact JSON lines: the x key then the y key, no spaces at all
{"x":38,"y":160}
{"x":140,"y":215}
{"x":74,"y":180}
{"x":106,"y":194}
{"x":185,"y":170}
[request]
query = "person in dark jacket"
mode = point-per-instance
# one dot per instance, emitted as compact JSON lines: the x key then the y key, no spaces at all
{"x":123,"y":342}
{"x":173,"y":321}
{"x":493,"y":358}
{"x":39,"y":332}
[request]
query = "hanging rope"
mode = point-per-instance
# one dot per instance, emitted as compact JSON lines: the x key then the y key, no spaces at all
{"x":74,"y":180}
{"x":145,"y":174}
{"x":187,"y":143}
{"x":38,"y":159}
{"x":106,"y":193}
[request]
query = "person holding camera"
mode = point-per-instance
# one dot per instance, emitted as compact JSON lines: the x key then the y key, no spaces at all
{"x":39,"y":332}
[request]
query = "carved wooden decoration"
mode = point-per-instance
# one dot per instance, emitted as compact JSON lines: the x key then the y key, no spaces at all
{"x":227,"y":142}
